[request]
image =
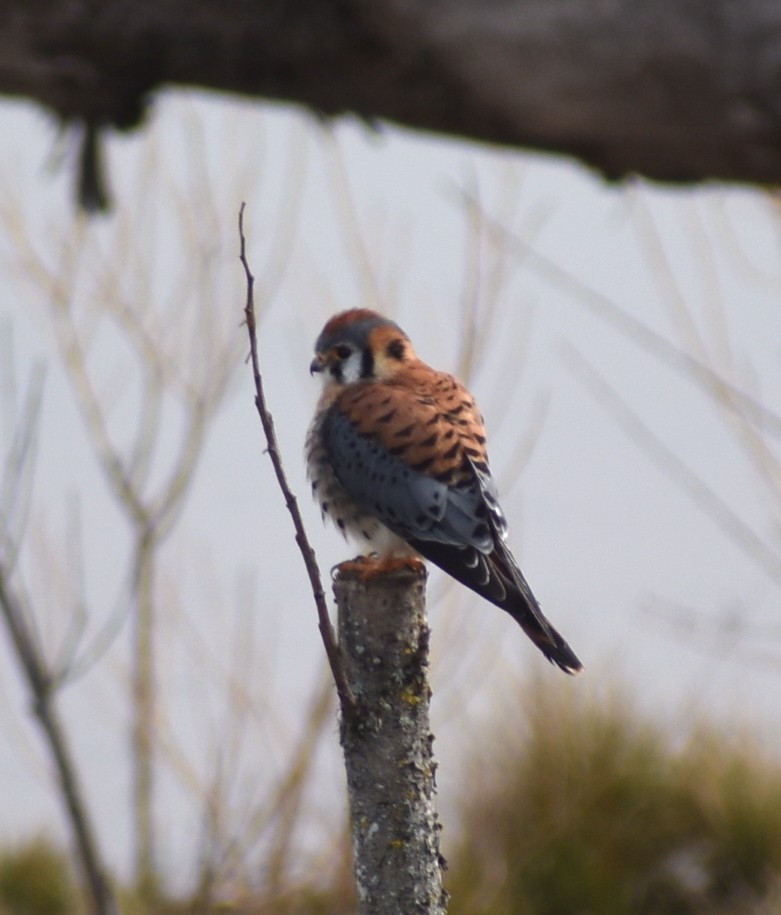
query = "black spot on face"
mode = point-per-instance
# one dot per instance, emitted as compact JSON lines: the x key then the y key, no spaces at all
{"x":367,"y":363}
{"x":395,"y":350}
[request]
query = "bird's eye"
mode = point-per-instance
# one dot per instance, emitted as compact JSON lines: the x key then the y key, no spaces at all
{"x":343,"y":351}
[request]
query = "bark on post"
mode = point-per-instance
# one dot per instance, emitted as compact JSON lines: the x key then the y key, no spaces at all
{"x":387,"y":743}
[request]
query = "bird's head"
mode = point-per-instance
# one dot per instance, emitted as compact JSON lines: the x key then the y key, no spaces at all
{"x":360,"y":345}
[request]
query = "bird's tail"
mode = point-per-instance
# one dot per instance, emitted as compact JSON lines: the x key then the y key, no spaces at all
{"x":521,"y":604}
{"x":497,"y":578}
{"x":539,"y":629}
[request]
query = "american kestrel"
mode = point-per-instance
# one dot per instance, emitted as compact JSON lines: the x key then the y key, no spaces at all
{"x":397,"y":458}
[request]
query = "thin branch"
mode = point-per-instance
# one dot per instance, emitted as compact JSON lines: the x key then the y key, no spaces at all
{"x":728,"y":636}
{"x":110,"y":460}
{"x":601,"y":305}
{"x":40,"y":679}
{"x":141,"y":458}
{"x":78,"y":618}
{"x":19,"y":464}
{"x":284,"y":815}
{"x":40,"y":684}
{"x":346,"y":698}
{"x":711,"y":503}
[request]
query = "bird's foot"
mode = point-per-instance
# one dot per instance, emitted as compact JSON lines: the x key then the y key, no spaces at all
{"x":355,"y":566}
{"x":367,"y":567}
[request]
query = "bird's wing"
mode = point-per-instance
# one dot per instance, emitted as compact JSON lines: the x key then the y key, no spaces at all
{"x":406,"y":453}
{"x":408,"y":501}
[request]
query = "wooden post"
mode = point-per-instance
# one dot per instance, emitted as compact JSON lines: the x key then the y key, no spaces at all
{"x":387,"y":742}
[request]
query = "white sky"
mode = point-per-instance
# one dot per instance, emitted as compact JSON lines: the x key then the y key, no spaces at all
{"x":602,"y":533}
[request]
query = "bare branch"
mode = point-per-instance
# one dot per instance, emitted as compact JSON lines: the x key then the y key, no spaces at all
{"x":686,"y":365}
{"x":40,"y":686}
{"x":19,"y":464}
{"x":41,"y":679}
{"x":706,"y":498}
{"x":346,"y":698}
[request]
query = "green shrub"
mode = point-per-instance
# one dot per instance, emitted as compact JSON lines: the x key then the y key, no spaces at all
{"x":35,"y":879}
{"x":590,"y":811}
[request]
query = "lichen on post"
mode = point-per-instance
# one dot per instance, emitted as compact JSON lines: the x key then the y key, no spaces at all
{"x":387,"y":742}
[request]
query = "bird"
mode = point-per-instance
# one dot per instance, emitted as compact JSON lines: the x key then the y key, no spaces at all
{"x":396,"y":457}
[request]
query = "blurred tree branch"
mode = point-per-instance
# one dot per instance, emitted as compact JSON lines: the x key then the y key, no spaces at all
{"x":688,"y":366}
{"x":710,"y":502}
{"x":41,"y":676}
{"x":172,"y":371}
{"x":42,"y":688}
{"x":149,"y":359}
{"x":152,"y":513}
{"x":678,"y":92}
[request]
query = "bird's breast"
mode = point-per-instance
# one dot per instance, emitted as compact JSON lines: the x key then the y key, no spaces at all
{"x":348,"y":515}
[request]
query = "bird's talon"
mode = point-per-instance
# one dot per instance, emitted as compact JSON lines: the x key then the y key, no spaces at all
{"x":367,"y":567}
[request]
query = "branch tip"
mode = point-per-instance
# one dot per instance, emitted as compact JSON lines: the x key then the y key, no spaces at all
{"x":346,"y":698}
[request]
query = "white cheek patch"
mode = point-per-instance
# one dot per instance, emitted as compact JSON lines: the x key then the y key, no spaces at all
{"x":351,"y":368}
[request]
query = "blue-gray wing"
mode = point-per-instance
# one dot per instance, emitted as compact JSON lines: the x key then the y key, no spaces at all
{"x":446,"y":509}
{"x":414,"y":504}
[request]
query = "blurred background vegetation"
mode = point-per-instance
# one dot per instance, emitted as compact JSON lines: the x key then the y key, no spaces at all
{"x":581,"y":806}
{"x":589,"y":807}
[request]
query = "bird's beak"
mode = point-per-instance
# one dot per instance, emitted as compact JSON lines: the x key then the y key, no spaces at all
{"x":317,"y":364}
